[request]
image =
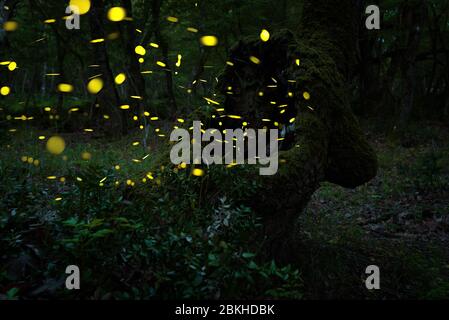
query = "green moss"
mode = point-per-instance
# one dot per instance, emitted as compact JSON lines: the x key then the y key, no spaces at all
{"x":328,"y":145}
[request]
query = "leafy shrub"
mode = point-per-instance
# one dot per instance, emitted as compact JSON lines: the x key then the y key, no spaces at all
{"x":168,"y":238}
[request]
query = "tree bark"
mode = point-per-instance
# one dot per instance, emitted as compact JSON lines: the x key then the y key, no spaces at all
{"x":137,"y":82}
{"x":328,"y":144}
{"x":414,"y":17}
{"x":108,"y":98}
{"x":156,"y":27}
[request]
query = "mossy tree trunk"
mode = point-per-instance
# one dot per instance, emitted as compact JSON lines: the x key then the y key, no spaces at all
{"x":328,"y":144}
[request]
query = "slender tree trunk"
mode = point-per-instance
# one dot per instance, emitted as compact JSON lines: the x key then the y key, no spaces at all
{"x":108,"y":98}
{"x":414,"y":16}
{"x":3,"y":19}
{"x":60,"y":58}
{"x":155,"y":25}
{"x":136,"y":86}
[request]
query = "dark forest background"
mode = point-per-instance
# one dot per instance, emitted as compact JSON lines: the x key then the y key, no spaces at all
{"x":139,"y":229}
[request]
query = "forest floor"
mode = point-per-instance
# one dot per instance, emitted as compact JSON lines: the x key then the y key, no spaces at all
{"x":399,"y":221}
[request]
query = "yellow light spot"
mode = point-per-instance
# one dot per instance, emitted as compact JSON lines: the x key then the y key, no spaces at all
{"x":12,"y":66}
{"x":172,"y":19}
{"x":113,"y":35}
{"x":306,"y":95}
{"x":124,"y":107}
{"x":10,"y":26}
{"x":161,"y":64}
{"x":51,"y":177}
{"x":298,"y":62}
{"x":36,"y":162}
{"x":255,"y":60}
{"x":198,"y":172}
{"x":50,"y":21}
{"x":24,"y":159}
{"x":154,"y":118}
{"x":58,"y":199}
{"x":211,"y":101}
{"x":234,"y":117}
{"x":83,"y":6}
{"x":154,"y":45}
{"x":150,"y":176}
{"x":178,"y":63}
{"x":4,"y":91}
{"x":140,"y":50}
{"x":265,"y":35}
{"x":62,"y":179}
{"x":41,"y":137}
{"x":292,"y":120}
{"x":209,"y":41}
{"x":97,"y":40}
{"x":30,"y":160}
{"x":136,"y":143}
{"x":141,"y":60}
{"x":55,"y":145}
{"x":120,"y":78}
{"x":181,"y":120}
{"x":229,"y":63}
{"x":116,"y":14}
{"x":95,"y":85}
{"x":194,"y":30}
{"x":86,"y":156}
{"x":65,"y":87}
{"x":117,"y":167}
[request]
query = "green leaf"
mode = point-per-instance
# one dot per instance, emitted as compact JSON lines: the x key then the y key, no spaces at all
{"x":252,"y":265}
{"x":102,"y":233}
{"x":12,"y":293}
{"x":248,"y":255}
